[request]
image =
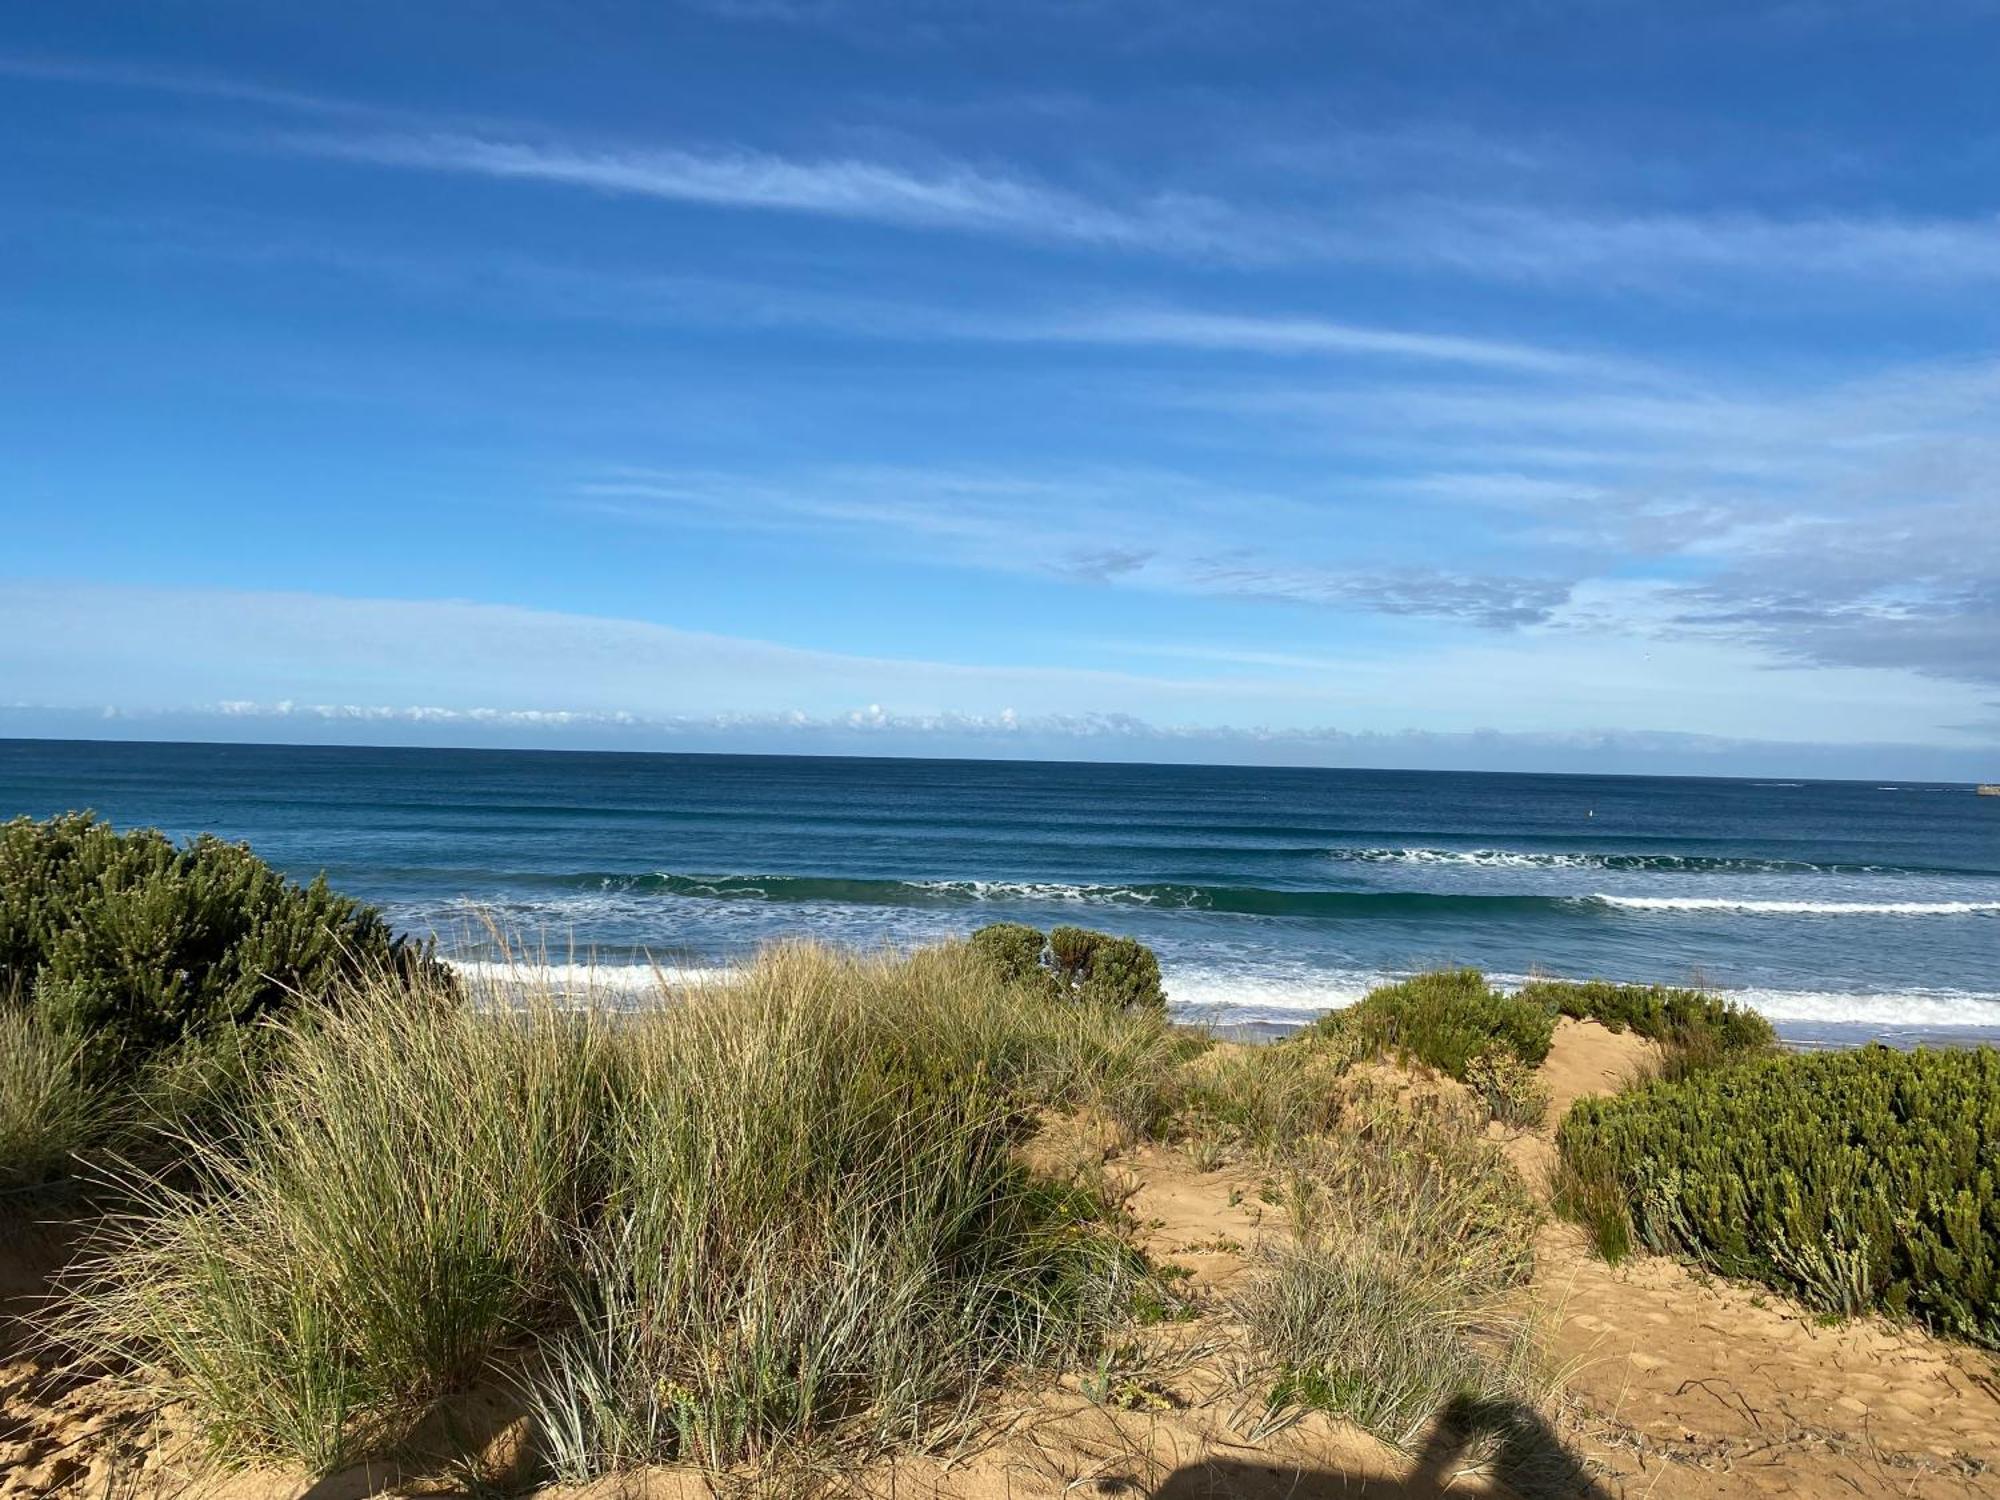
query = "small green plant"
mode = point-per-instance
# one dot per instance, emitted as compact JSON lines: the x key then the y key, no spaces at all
{"x":1850,"y":1180}
{"x":1514,"y":1094}
{"x":1444,"y":1020}
{"x":1117,"y":973}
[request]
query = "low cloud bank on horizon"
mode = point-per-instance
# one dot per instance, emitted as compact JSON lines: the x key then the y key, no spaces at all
{"x":872,"y":731}
{"x":652,"y":684}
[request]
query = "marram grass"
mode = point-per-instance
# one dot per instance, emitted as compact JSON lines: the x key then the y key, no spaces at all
{"x":765,"y":1217}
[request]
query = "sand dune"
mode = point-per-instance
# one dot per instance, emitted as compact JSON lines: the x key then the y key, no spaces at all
{"x":1679,"y":1385}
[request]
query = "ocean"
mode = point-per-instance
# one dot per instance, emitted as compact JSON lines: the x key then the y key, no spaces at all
{"x":1843,"y":910}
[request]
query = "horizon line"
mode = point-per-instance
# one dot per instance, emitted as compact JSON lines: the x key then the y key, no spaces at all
{"x":997,"y":760}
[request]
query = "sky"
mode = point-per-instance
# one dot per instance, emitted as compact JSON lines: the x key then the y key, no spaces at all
{"x":1523,"y":384}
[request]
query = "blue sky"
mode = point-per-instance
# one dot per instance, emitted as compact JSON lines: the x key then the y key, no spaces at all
{"x":1564,"y":384}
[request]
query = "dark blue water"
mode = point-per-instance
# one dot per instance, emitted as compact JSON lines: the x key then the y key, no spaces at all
{"x":1269,"y":893}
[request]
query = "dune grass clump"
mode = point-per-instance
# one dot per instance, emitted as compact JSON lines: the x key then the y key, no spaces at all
{"x":1264,"y":1097}
{"x":1855,"y":1180}
{"x":1444,"y":1020}
{"x":395,"y":1210}
{"x":1400,"y":1289}
{"x":768,"y":1218}
{"x":50,"y":1113}
{"x":1696,"y":1030}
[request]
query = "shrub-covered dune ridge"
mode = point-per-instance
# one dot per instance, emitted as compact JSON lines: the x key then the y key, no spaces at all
{"x":1856,"y":1180}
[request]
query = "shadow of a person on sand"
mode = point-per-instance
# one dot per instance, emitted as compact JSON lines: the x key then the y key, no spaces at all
{"x":1528,"y":1460}
{"x":1525,"y":1457}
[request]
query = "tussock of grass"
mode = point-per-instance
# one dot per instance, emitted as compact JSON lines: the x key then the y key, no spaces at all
{"x":768,"y":1217}
{"x":1262,"y":1098}
{"x":49,"y":1112}
{"x":1400,"y":1289}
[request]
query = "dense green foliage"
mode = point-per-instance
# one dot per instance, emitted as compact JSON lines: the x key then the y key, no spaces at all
{"x":132,"y":975}
{"x":1013,"y":950}
{"x":1695,"y":1028}
{"x":1117,"y":972}
{"x":1852,"y":1180}
{"x":1445,"y":1020}
{"x":134,"y":944}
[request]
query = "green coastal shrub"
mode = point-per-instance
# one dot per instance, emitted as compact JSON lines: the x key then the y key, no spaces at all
{"x":1697,"y":1030}
{"x":134,"y":944}
{"x":134,"y":973}
{"x":1853,"y":1180}
{"x":1445,"y":1020}
{"x":1120,"y":973}
{"x":1012,"y":950}
{"x":1514,"y":1093}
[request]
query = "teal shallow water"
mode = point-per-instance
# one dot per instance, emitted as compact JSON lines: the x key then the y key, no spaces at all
{"x":1840,"y":908}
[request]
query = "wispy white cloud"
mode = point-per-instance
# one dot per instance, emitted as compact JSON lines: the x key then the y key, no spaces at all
{"x":948,"y":195}
{"x":1490,"y":239}
{"x":70,"y":70}
{"x":1845,"y":524}
{"x":1590,"y":242}
{"x":1185,"y":328}
{"x":1486,"y":239}
{"x":1148,"y":529}
{"x":583,"y":291}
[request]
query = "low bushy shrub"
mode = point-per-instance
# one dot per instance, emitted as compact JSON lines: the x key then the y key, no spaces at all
{"x":1446,"y":1019}
{"x":1851,"y":1180}
{"x":1513,"y":1092}
{"x":1696,"y":1029}
{"x":134,"y":975}
{"x":134,"y":945}
{"x":1013,"y":950}
{"x":1120,"y":973}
